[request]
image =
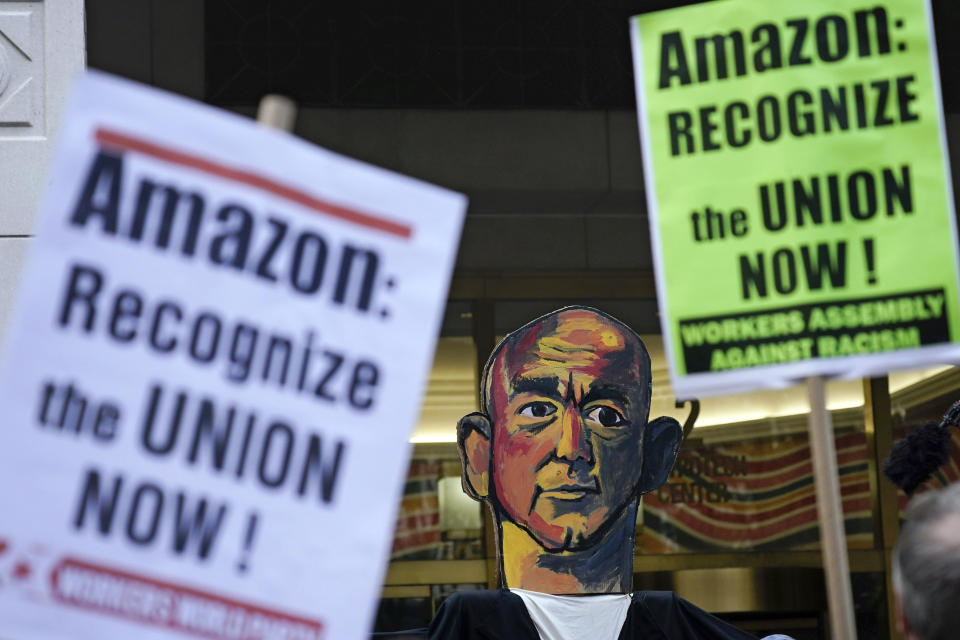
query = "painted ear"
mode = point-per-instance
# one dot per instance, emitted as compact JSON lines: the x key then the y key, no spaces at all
{"x":661,"y":443}
{"x":473,"y":441}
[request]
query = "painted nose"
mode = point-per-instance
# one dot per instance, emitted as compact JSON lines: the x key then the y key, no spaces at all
{"x":574,"y":441}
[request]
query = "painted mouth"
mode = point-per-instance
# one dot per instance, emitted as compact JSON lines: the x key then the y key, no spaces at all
{"x":570,"y":491}
{"x":574,"y":491}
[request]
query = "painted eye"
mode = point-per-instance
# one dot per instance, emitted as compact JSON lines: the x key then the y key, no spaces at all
{"x":606,"y":416}
{"x":537,"y":410}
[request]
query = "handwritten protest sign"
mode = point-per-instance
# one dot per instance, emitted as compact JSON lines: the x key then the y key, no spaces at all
{"x":209,"y":382}
{"x":798,"y":190}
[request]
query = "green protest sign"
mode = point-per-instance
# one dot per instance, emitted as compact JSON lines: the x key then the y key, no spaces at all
{"x":798,"y":189}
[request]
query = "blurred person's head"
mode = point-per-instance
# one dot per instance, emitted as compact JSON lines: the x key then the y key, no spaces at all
{"x":563,"y":449}
{"x":926,"y":567}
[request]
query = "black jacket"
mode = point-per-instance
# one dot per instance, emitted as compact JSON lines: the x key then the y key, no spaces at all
{"x":501,"y":615}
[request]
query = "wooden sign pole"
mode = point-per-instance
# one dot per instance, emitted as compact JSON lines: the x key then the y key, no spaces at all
{"x":277,"y":112}
{"x":829,"y":508}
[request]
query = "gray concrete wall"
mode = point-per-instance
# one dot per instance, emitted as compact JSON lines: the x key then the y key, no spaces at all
{"x":157,"y":42}
{"x":557,"y":190}
{"x":549,"y":189}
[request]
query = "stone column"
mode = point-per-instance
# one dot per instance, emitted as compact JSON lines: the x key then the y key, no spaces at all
{"x":41,"y":50}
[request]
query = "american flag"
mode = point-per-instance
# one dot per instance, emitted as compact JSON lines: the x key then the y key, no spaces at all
{"x":417,"y":535}
{"x":768,"y":503}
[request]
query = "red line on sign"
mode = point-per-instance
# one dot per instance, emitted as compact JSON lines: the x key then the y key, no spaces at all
{"x":123,"y":142}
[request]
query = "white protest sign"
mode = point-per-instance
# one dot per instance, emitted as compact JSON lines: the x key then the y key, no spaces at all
{"x":208,"y":385}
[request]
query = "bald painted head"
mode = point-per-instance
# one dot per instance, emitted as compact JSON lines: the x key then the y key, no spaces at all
{"x":561,"y":442}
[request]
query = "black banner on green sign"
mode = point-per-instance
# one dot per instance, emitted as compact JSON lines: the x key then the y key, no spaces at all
{"x":851,"y":327}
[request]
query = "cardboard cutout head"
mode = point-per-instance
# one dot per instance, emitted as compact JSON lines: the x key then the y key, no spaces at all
{"x":562,"y":450}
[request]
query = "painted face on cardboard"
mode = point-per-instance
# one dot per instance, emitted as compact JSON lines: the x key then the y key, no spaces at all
{"x":568,"y":406}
